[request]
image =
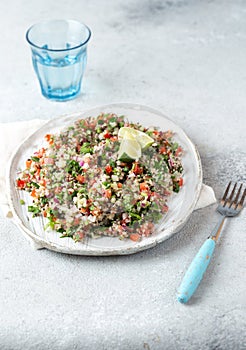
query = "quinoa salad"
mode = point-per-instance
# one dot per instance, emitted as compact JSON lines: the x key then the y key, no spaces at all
{"x":84,"y":187}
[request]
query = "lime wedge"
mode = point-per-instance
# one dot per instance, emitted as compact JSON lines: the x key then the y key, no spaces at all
{"x":143,"y":139}
{"x":129,"y":150}
{"x":129,"y":134}
{"x":126,"y":131}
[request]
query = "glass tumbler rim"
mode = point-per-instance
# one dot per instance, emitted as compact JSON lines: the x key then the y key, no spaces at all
{"x":56,"y":20}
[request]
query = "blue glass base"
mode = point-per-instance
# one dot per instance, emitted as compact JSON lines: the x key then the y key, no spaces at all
{"x":61,"y":95}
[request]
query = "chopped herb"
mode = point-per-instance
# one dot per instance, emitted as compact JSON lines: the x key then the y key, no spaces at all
{"x":44,"y":200}
{"x":34,"y":184}
{"x":60,"y":230}
{"x":174,"y":146}
{"x":176,"y":187}
{"x":34,"y":210}
{"x":86,"y":148}
{"x":135,"y":216}
{"x":106,"y":184}
{"x":82,"y":189}
{"x":73,"y":168}
{"x":35,"y":159}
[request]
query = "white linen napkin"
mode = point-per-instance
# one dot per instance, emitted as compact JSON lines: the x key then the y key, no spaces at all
{"x":11,"y":136}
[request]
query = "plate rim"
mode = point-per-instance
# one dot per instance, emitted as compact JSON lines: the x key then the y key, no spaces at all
{"x":139,"y":246}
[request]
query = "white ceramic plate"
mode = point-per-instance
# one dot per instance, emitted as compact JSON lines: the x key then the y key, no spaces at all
{"x":181,"y":205}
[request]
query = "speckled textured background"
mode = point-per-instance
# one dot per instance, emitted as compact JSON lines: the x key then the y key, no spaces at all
{"x":186,"y":58}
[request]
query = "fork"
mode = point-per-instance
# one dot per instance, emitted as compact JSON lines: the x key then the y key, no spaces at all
{"x":229,"y":206}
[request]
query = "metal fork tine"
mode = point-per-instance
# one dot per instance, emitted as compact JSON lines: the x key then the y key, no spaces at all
{"x":225,"y":194}
{"x":229,"y":200}
{"x":240,"y":204}
{"x":235,"y":201}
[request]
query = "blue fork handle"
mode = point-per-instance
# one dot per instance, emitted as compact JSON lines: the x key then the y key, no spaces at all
{"x":196,"y":270}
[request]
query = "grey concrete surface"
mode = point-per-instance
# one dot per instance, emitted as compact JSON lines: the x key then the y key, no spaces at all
{"x":186,"y":58}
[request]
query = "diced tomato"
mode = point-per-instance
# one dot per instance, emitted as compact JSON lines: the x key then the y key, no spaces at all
{"x":108,"y":193}
{"x":42,"y":182}
{"x":181,"y":182}
{"x":95,"y":211}
{"x":137,"y":169}
{"x":21,"y":184}
{"x":84,"y":210}
{"x":135,"y":237}
{"x":40,"y":153}
{"x":155,"y":132}
{"x":143,"y":187}
{"x":28,"y":163}
{"x":49,"y":139}
{"x":108,"y":169}
{"x":178,"y":151}
{"x":114,"y":138}
{"x":89,"y":202}
{"x":119,"y":184}
{"x":33,"y":193}
{"x":81,"y":179}
{"x":44,"y":214}
{"x":162,"y":150}
{"x":107,"y":135}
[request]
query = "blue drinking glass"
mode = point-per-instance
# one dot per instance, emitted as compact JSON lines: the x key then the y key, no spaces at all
{"x":59,"y":55}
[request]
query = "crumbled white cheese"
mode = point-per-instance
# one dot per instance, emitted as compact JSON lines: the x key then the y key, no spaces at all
{"x":115,"y":178}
